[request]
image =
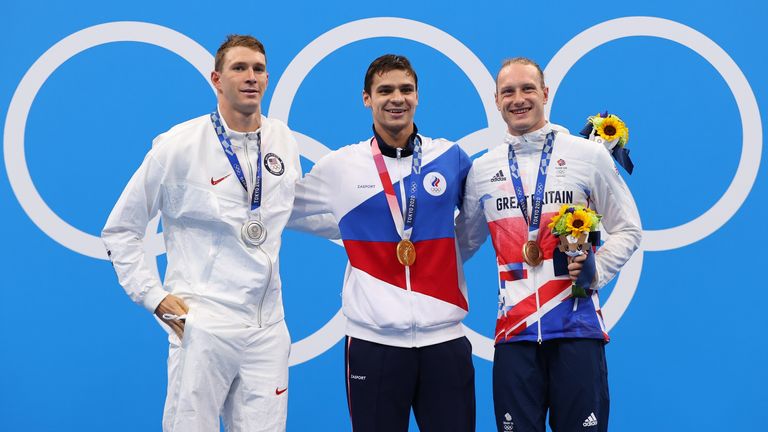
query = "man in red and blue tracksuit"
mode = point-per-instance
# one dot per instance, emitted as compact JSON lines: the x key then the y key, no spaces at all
{"x":549,"y":352}
{"x":393,"y":197}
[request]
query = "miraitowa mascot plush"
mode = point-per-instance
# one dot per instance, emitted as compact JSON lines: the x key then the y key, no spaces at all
{"x":610,"y":130}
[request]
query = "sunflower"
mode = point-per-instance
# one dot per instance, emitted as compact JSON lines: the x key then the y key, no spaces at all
{"x":579,"y":222}
{"x":554,"y":221}
{"x":612,"y":128}
{"x":556,"y":218}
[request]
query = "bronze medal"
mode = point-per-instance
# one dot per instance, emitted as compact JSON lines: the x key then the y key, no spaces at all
{"x":532,"y":253}
{"x":406,"y":252}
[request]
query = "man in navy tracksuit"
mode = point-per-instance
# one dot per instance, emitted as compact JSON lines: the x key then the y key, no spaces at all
{"x":393,"y":197}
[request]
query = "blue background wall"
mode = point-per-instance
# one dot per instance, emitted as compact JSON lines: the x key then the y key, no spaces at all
{"x":688,"y":324}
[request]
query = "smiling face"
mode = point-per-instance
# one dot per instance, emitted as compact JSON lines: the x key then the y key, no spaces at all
{"x":242,"y":81}
{"x":520,"y":97}
{"x":392,"y":99}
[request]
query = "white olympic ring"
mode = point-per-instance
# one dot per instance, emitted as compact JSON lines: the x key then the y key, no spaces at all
{"x":734,"y":196}
{"x":285,"y":91}
{"x":16,"y":122}
{"x":327,"y":43}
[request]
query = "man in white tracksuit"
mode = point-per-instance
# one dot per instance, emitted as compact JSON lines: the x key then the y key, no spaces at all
{"x":549,"y":359}
{"x":224,"y":183}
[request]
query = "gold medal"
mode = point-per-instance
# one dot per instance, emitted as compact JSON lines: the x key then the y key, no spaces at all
{"x":532,"y":253}
{"x":406,"y":252}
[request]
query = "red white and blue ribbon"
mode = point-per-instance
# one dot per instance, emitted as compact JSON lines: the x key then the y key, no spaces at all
{"x":403,"y":223}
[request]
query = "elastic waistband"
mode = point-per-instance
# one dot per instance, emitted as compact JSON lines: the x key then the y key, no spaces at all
{"x":415,"y":337}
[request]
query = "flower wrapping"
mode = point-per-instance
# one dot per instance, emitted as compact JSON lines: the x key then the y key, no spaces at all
{"x":572,"y":224}
{"x":612,"y":132}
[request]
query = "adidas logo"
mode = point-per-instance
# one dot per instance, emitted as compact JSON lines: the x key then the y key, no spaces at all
{"x":499,"y":176}
{"x":590,"y":421}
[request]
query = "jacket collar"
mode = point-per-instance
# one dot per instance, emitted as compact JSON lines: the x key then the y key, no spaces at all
{"x":389,"y":151}
{"x":531,"y":142}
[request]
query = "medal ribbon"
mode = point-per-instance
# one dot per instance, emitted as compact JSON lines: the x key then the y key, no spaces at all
{"x":404,"y":224}
{"x":226,"y":145}
{"x":538,"y":196}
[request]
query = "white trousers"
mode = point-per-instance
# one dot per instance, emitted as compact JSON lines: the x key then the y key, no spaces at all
{"x":232,"y":371}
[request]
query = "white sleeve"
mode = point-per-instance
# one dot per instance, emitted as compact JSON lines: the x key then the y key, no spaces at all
{"x":312,"y":212}
{"x":124,"y":233}
{"x":471,"y":226}
{"x":620,"y":219}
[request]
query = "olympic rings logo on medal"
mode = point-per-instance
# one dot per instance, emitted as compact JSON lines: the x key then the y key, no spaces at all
{"x":285,"y":91}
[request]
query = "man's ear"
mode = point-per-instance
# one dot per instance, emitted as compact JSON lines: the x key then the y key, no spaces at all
{"x":366,"y":99}
{"x":216,"y":80}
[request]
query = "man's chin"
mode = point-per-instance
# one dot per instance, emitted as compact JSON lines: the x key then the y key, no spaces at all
{"x":249,"y":107}
{"x":396,"y":127}
{"x":520,"y":127}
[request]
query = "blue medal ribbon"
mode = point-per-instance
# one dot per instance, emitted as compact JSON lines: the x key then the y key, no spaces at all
{"x":538,"y":196}
{"x":226,"y":145}
{"x":410,"y":214}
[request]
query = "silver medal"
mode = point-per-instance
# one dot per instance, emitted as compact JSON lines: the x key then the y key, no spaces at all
{"x":253,"y":233}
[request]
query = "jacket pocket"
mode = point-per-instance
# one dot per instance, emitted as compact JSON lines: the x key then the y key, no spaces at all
{"x":367,"y":301}
{"x":186,"y":201}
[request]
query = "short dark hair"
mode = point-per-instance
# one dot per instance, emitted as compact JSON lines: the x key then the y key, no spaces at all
{"x":523,"y":61}
{"x":236,"y":40}
{"x":386,"y":63}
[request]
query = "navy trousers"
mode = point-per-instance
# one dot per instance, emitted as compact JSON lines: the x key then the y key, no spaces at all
{"x":385,"y":382}
{"x":568,"y":377}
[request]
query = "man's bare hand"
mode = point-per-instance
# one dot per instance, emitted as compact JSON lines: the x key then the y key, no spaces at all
{"x":175,"y":306}
{"x":575,"y":265}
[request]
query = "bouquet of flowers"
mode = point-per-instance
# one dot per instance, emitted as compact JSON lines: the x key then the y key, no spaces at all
{"x":572,"y":224}
{"x":612,"y":132}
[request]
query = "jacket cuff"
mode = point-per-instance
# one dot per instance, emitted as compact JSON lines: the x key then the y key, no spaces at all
{"x":596,"y":282}
{"x":153,"y":297}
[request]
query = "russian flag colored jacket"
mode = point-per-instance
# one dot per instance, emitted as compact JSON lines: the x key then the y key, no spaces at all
{"x":535,"y":303}
{"x":384,"y":301}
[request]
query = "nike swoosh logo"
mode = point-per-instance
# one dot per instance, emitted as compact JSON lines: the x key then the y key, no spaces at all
{"x":279,"y":392}
{"x":215,"y":182}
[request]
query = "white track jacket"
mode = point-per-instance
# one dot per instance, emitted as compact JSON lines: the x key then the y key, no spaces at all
{"x":187,"y":177}
{"x":535,"y":303}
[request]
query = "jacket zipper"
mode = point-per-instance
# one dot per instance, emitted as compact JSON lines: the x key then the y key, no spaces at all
{"x":266,"y":255}
{"x":269,"y":281}
{"x":538,"y":305}
{"x":407,"y":268}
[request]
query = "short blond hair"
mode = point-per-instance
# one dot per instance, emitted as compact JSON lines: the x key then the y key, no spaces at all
{"x":523,"y":61}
